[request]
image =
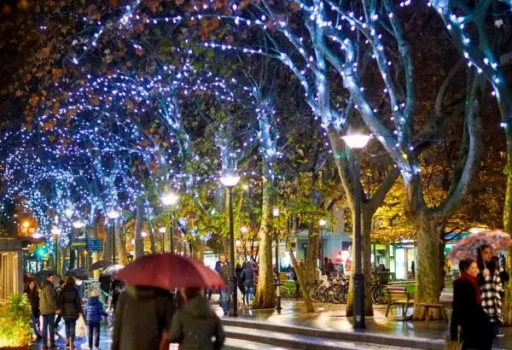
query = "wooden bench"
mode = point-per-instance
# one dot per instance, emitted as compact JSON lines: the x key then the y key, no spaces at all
{"x":399,"y":296}
{"x":445,"y":303}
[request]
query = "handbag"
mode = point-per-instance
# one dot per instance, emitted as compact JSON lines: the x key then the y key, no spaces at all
{"x":452,"y":345}
{"x":81,"y":329}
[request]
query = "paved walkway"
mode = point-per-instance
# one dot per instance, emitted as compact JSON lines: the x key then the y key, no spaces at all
{"x":333,"y":317}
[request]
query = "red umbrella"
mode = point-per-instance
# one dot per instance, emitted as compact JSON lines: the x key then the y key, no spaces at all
{"x":169,"y":271}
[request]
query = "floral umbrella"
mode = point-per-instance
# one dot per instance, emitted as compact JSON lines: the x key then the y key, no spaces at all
{"x":468,"y":247}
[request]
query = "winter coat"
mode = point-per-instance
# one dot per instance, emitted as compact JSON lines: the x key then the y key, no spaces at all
{"x":47,"y":299}
{"x":477,"y":331}
{"x":224,"y":272}
{"x":194,"y":325}
{"x":492,"y":288}
{"x":142,"y":314}
{"x":69,"y":303}
{"x":94,"y":311}
{"x":105,"y":282}
{"x":33,"y":297}
{"x":247,"y":275}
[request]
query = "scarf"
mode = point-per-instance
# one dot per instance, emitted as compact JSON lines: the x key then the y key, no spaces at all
{"x":467,"y":277}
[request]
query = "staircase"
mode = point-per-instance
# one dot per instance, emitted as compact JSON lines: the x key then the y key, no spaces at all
{"x":247,"y":334}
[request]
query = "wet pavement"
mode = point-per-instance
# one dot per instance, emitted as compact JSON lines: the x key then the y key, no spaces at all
{"x":333,"y":317}
{"x":327,"y":317}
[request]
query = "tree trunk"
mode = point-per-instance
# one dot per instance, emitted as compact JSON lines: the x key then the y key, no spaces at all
{"x":139,"y":241}
{"x":92,"y":232}
{"x":107,"y":242}
{"x":428,"y":278}
{"x":121,"y":253}
{"x":265,"y":289}
{"x":152,"y":238}
{"x":312,"y":253}
{"x":507,"y":224}
{"x":301,"y":279}
{"x":366,"y":222}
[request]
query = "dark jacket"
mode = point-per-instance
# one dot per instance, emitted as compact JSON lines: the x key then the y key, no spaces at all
{"x":47,"y":298}
{"x":69,"y":303}
{"x":105,"y":282}
{"x":470,"y":316}
{"x":223,"y":272}
{"x":142,"y":314}
{"x":33,"y":297}
{"x":195,"y":324}
{"x":247,"y":275}
{"x":94,"y":311}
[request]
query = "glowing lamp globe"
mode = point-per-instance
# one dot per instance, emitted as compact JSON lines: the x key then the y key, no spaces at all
{"x":78,"y":224}
{"x":68,"y":213}
{"x":169,"y":199}
{"x":244,"y":230}
{"x":322,"y":222}
{"x":356,"y":141}
{"x":230,"y":180}
{"x":113,"y":214}
{"x":162,"y":230}
{"x":275,"y":212}
{"x":55,"y":230}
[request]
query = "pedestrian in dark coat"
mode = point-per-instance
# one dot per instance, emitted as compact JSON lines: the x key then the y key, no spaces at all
{"x":239,"y":279}
{"x":194,"y":326}
{"x":33,"y":296}
{"x":143,"y":316}
{"x":70,"y":307}
{"x":247,"y":275}
{"x":59,"y":317}
{"x":93,"y":312}
{"x":467,"y":311}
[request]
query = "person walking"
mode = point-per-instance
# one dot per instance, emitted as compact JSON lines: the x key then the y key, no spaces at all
{"x":467,"y":310}
{"x":115,"y":291}
{"x":143,"y":316}
{"x":93,"y":312}
{"x":491,"y":279}
{"x":71,"y":308}
{"x":59,"y":317}
{"x":33,"y":296}
{"x":223,"y":268}
{"x":247,"y":275}
{"x":48,"y":308}
{"x":196,"y":326}
{"x":240,"y":280}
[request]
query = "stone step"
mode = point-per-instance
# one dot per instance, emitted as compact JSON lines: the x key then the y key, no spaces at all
{"x":239,"y":344}
{"x":353,"y":337}
{"x":297,"y":341}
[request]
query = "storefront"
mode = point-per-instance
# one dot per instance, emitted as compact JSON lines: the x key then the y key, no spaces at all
{"x":11,"y":267}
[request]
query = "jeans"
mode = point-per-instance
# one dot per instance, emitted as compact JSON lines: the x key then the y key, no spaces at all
{"x":35,"y":324}
{"x":224,"y":299}
{"x":249,"y":291}
{"x":48,"y":325}
{"x":94,"y":329}
{"x":70,"y":329}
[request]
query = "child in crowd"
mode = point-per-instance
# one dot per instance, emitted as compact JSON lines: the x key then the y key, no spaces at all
{"x":93,"y":312}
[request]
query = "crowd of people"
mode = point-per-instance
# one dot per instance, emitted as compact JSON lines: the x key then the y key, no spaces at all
{"x":144,"y":317}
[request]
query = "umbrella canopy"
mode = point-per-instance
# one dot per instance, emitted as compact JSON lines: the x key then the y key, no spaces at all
{"x":468,"y":247}
{"x":41,"y":275}
{"x":169,"y":271}
{"x":78,"y":272}
{"x":112,"y":269}
{"x":102,"y":264}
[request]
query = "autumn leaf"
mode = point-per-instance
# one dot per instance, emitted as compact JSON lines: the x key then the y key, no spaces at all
{"x":33,"y":100}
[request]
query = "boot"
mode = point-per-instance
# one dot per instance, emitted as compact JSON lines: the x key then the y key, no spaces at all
{"x":68,"y":341}
{"x":71,"y":345}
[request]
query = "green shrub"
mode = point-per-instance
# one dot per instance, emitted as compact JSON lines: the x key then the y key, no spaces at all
{"x":15,"y":329}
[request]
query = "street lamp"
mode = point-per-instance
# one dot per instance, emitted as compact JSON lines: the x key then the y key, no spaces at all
{"x":170,"y":199}
{"x":78,"y":224}
{"x":230,"y":180}
{"x":68,"y":212}
{"x":322,"y":224}
{"x":113,"y":215}
{"x":56,"y":232}
{"x":356,"y":142}
{"x":275,"y":213}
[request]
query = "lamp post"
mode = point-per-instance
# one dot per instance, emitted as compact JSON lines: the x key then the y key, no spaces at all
{"x":356,"y":142}
{"x":230,"y":181}
{"x":275,"y":213}
{"x":78,"y":225}
{"x":170,"y":199}
{"x":322,"y":224}
{"x":162,"y":231}
{"x":56,"y":232}
{"x":113,"y":215}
